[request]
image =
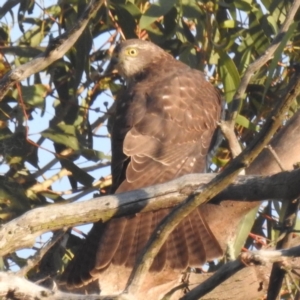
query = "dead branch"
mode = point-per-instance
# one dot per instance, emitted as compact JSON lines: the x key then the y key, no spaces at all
{"x":22,"y":231}
{"x":227,"y":129}
{"x":245,"y":259}
{"x":15,"y":287}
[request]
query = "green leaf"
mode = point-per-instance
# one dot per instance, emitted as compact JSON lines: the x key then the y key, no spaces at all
{"x":190,"y":9}
{"x":79,"y":175}
{"x":126,"y":21}
{"x":33,"y":95}
{"x":24,"y":51}
{"x":132,"y":9}
{"x":34,"y":36}
{"x":272,"y":22}
{"x":219,"y":161}
{"x":170,"y":21}
{"x":12,"y":196}
{"x":297,"y":225}
{"x":53,"y":10}
{"x":63,"y":134}
{"x":245,"y":61}
{"x":279,"y":10}
{"x":229,"y":24}
{"x":214,"y":58}
{"x":188,"y":56}
{"x":82,"y":49}
{"x":4,"y":35}
{"x":155,"y":11}
{"x":94,"y":155}
{"x":229,"y":74}
{"x":8,"y":6}
{"x":278,"y":55}
{"x":244,"y":5}
{"x":25,"y":6}
{"x":241,"y":120}
{"x":244,"y":228}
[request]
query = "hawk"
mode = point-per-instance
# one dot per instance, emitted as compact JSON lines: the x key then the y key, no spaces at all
{"x":164,"y":128}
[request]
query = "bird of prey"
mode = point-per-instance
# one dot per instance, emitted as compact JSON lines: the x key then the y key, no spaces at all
{"x":164,"y":127}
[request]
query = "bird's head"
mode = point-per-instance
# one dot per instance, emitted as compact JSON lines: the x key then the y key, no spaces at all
{"x":132,"y":57}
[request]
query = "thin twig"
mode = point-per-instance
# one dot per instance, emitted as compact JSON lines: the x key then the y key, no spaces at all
{"x":227,"y":129}
{"x":274,"y":154}
{"x":42,"y":186}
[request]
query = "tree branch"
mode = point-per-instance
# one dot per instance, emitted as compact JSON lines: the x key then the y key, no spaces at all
{"x":56,"y":49}
{"x":22,"y":231}
{"x":246,"y":259}
{"x":15,"y":287}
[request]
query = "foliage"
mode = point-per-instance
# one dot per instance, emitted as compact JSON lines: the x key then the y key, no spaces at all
{"x":59,"y":118}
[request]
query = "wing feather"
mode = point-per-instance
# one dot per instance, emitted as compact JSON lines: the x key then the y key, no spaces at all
{"x":163,"y":129}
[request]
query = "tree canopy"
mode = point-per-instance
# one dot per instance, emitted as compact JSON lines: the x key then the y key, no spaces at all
{"x":57,"y":104}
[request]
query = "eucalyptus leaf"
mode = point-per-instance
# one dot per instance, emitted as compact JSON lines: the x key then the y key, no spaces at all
{"x":244,"y":228}
{"x":278,"y":55}
{"x":63,"y":134}
{"x":155,"y":11}
{"x":33,"y":95}
{"x":229,"y":74}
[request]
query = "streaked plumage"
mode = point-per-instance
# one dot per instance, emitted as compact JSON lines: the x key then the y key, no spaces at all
{"x":163,"y":129}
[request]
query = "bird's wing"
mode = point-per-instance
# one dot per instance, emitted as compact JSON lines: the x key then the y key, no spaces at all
{"x":170,"y":130}
{"x":163,"y":130}
{"x":173,"y":131}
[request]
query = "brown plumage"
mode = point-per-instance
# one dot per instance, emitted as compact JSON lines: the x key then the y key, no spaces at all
{"x":164,"y":126}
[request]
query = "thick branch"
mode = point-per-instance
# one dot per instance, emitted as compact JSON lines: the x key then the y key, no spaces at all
{"x":55,"y":50}
{"x":246,"y":259}
{"x":22,"y":231}
{"x":15,"y":287}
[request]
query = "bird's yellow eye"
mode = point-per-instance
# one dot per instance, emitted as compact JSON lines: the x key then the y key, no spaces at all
{"x":131,"y":52}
